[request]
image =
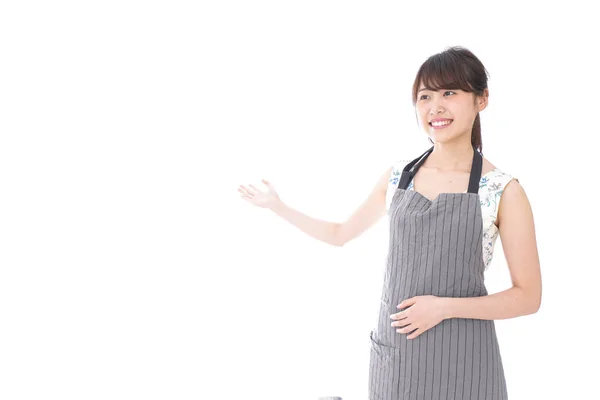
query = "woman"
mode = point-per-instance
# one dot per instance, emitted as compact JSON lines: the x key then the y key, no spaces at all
{"x":435,"y":337}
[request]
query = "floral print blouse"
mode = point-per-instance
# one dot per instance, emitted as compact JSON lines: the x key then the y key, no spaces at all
{"x":491,"y":186}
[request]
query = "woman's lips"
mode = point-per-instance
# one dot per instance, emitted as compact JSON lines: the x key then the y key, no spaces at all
{"x":442,"y":126}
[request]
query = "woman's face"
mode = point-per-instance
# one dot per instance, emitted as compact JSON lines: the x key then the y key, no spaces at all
{"x":448,"y":104}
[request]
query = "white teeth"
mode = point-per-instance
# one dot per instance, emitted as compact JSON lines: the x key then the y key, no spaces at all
{"x":440,"y":123}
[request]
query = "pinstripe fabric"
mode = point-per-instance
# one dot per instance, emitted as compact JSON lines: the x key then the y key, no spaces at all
{"x":435,"y":248}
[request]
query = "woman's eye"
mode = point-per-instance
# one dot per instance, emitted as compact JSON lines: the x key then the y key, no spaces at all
{"x":424,"y":95}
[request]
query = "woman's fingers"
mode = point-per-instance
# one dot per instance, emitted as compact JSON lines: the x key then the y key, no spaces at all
{"x":255,"y":188}
{"x":245,"y":191}
{"x":257,"y":196}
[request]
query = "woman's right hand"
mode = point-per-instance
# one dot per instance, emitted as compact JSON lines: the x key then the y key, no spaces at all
{"x":259,"y":198}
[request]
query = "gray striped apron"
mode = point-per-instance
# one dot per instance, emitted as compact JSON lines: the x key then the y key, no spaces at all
{"x":435,"y":248}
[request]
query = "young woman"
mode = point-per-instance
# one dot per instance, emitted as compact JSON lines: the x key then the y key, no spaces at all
{"x":435,"y":337}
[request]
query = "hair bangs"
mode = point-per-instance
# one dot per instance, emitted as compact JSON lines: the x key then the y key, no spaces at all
{"x":444,"y":71}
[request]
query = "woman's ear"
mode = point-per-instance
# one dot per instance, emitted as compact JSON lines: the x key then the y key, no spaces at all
{"x":482,"y":101}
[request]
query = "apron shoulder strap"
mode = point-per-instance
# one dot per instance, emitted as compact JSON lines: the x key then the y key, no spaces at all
{"x":410,"y":169}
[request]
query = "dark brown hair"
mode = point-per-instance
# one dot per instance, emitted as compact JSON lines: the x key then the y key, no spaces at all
{"x":454,"y":68}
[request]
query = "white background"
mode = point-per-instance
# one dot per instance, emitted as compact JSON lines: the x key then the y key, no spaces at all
{"x":131,"y":268}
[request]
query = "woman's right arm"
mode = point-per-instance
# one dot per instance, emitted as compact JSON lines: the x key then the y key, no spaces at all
{"x":369,"y":212}
{"x":322,"y":230}
{"x":338,"y":234}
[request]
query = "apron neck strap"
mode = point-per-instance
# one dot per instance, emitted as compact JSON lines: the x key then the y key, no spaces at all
{"x":410,"y":170}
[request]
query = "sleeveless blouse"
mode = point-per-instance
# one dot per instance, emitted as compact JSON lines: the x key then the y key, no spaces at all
{"x":491,"y":186}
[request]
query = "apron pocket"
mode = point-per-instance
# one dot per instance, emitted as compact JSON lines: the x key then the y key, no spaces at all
{"x":384,"y":351}
{"x":384,"y":371}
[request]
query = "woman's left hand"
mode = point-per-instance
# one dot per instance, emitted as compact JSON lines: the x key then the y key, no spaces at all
{"x":424,"y":313}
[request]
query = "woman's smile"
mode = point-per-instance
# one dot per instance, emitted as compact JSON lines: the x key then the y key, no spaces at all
{"x":440,"y":124}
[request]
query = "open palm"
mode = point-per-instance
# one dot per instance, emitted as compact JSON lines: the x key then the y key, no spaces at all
{"x":258,"y":197}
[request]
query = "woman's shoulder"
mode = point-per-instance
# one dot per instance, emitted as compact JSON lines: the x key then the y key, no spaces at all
{"x":493,"y":184}
{"x":394,"y":179}
{"x":396,"y":171}
{"x":495,"y":177}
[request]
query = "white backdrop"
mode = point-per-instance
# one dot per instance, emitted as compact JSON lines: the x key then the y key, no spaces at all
{"x":131,"y":268}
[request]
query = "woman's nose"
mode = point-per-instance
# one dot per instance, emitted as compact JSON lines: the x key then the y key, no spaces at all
{"x":437,"y":109}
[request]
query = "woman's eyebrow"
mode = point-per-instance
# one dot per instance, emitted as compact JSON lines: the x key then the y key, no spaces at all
{"x":433,"y":90}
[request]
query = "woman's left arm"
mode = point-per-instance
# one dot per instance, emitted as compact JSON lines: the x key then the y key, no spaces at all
{"x":517,"y":232}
